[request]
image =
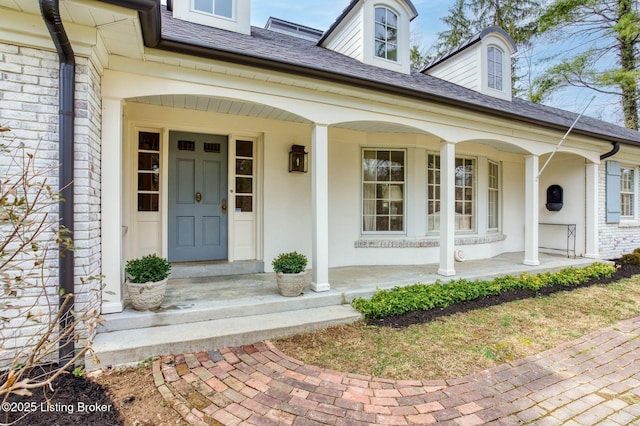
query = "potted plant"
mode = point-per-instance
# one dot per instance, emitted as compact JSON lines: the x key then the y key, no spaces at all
{"x":147,"y":281}
{"x":291,"y":273}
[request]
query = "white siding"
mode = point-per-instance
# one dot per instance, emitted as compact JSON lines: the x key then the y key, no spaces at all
{"x":462,"y":69}
{"x":348,"y":40}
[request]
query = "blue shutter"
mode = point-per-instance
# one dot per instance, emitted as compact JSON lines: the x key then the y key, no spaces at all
{"x":613,"y":192}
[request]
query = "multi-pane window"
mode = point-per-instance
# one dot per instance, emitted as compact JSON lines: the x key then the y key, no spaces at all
{"x":465,"y":171}
{"x":386,"y":34}
{"x":215,"y":7}
{"x":494,"y":195}
{"x":148,"y":172}
{"x":383,"y":189}
{"x":464,"y":193}
{"x":627,"y":190}
{"x":495,"y":58}
{"x":244,"y":176}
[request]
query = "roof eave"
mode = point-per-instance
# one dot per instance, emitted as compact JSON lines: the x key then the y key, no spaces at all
{"x":150,"y":21}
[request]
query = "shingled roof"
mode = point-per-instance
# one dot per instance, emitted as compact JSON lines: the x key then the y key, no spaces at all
{"x":284,"y":53}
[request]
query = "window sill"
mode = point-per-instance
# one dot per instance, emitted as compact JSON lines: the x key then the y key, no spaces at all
{"x":404,"y":242}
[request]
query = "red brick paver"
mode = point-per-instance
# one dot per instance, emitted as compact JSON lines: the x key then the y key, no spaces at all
{"x":592,"y":380}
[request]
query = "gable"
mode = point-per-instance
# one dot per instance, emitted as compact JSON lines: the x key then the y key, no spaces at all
{"x":374,"y":33}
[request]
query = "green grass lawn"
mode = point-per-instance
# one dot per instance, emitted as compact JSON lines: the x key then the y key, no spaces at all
{"x":465,"y":343}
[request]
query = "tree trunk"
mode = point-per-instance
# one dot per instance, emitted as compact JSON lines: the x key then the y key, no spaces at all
{"x":628,"y":63}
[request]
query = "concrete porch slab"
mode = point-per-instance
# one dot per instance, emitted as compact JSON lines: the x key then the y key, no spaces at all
{"x":209,"y":306}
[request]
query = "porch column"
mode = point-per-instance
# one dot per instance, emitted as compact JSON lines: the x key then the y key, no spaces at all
{"x":320,"y":207}
{"x":531,"y":201}
{"x":591,"y":213}
{"x":447,"y":208}
{"x":111,"y":205}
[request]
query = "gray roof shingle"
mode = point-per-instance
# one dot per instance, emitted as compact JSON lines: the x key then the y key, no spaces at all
{"x":298,"y":54}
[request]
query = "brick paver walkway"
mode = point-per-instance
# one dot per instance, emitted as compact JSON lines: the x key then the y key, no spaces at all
{"x":592,"y":380}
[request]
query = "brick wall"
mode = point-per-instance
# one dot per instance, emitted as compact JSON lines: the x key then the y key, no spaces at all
{"x":615,"y":238}
{"x":29,"y":106}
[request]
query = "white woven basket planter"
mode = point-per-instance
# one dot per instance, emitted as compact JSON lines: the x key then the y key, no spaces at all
{"x":291,"y":285}
{"x":146,"y":296}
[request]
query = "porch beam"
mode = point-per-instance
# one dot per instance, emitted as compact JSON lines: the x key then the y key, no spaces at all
{"x":447,"y":208}
{"x":591,"y":213}
{"x":320,"y":207}
{"x":111,"y":205}
{"x":531,"y":214}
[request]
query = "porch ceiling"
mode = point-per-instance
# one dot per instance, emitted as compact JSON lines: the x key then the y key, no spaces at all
{"x":223,"y":106}
{"x":379,"y":127}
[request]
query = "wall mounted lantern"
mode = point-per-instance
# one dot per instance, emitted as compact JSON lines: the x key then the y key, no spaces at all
{"x":298,"y":159}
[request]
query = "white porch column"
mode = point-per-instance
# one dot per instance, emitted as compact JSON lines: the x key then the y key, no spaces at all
{"x":447,"y":208}
{"x":591,"y":213}
{"x":320,"y":207}
{"x":531,"y":201}
{"x":111,"y":205}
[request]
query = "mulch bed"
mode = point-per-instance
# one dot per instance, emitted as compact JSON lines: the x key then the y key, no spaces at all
{"x":418,"y":317}
{"x":73,"y":401}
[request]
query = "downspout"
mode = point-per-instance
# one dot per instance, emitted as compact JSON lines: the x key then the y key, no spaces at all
{"x":50,"y":10}
{"x":614,"y":151}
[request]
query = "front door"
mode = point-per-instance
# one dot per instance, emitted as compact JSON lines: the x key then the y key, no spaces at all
{"x":197,"y":197}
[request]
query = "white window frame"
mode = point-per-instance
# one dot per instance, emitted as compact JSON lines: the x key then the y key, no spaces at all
{"x":213,"y":7}
{"x":433,"y":226}
{"x":386,"y":41}
{"x":368,"y":197}
{"x":628,"y":210}
{"x":495,"y":68}
{"x":493,"y":188}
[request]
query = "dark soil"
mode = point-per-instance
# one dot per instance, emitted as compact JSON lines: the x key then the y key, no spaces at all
{"x":418,"y":317}
{"x":71,"y":401}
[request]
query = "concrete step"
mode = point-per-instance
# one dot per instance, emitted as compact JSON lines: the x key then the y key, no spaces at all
{"x":213,"y":309}
{"x":127,"y":347}
{"x":214,"y":269}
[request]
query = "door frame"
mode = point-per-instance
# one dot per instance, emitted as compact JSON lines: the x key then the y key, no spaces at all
{"x":232,"y":138}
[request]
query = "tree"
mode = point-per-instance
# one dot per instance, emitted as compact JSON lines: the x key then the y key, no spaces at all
{"x":606,"y":34}
{"x":466,"y":18}
{"x":31,"y":309}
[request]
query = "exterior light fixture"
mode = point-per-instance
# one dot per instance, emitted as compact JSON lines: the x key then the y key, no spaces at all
{"x":298,"y":159}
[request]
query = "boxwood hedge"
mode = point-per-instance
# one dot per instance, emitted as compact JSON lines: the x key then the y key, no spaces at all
{"x":400,"y":300}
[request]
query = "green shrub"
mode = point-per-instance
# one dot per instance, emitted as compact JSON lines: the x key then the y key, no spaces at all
{"x":631,"y":258}
{"x":400,"y":300}
{"x":150,"y":268}
{"x":290,"y":263}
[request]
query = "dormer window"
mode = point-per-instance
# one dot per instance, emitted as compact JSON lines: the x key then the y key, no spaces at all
{"x":222,"y":8}
{"x":494,"y":68}
{"x":386,"y":34}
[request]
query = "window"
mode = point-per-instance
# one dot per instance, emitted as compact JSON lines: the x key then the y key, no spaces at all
{"x":215,"y":7}
{"x":386,"y":34}
{"x":494,"y":67}
{"x":464,"y":193}
{"x":244,"y":176}
{"x":148,"y":172}
{"x":494,"y":195}
{"x":627,"y":190}
{"x":383,"y":189}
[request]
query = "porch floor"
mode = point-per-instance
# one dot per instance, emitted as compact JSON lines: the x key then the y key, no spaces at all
{"x":202,"y":314}
{"x":352,"y":281}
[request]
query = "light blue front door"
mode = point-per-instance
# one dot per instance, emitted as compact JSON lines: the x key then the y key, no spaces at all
{"x":197,"y":197}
